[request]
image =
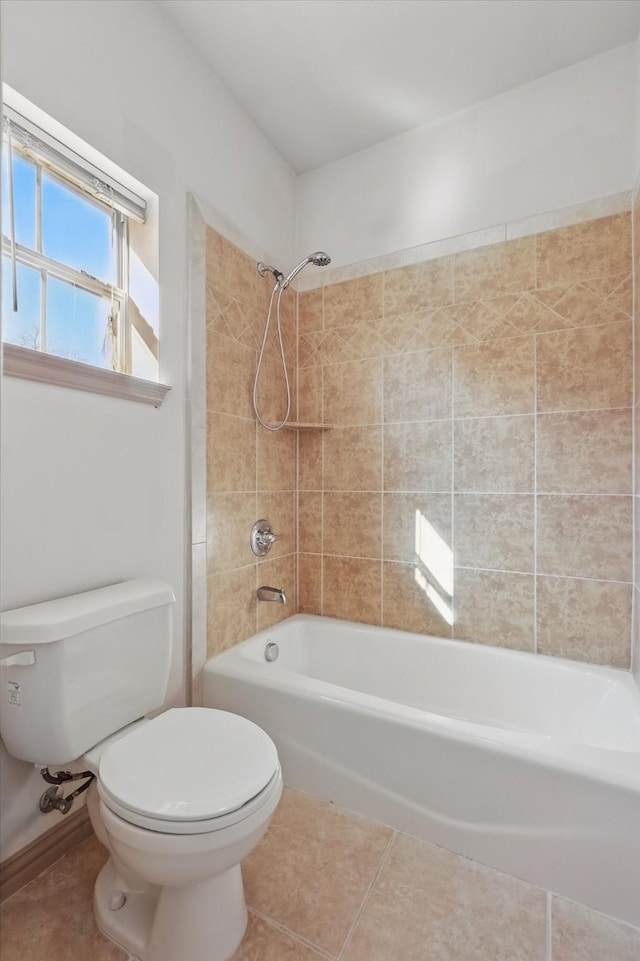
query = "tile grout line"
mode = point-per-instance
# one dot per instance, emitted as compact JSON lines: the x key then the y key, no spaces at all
{"x":535,"y":486}
{"x":453,"y":488}
{"x":322,"y":483}
{"x":383,"y":860}
{"x":292,"y":934}
{"x":382,"y":484}
{"x":297,"y":434}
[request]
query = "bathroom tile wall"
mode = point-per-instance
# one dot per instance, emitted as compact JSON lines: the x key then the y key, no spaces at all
{"x":250,"y":472}
{"x":476,"y":479}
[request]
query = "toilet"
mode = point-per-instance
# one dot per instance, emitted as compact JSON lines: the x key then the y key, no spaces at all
{"x":179,"y":799}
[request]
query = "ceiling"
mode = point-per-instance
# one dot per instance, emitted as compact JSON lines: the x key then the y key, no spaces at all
{"x":326,"y":78}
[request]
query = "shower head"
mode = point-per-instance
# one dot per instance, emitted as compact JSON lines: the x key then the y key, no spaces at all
{"x":319,"y":259}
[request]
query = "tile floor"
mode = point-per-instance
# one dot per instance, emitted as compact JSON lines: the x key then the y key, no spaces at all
{"x":327,"y":884}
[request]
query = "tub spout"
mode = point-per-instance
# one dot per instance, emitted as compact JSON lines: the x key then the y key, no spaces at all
{"x":271,"y":594}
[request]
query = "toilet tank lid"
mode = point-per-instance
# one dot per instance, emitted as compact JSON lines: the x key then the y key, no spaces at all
{"x":65,"y":616}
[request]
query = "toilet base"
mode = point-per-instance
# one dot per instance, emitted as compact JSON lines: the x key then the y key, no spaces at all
{"x":199,"y":922}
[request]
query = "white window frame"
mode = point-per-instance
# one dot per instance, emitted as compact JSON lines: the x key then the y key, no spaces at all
{"x":47,"y":154}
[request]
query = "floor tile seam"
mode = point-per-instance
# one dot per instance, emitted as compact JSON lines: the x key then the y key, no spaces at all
{"x":300,"y":939}
{"x":381,"y":863}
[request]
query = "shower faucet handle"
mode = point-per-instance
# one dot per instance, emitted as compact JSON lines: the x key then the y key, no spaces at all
{"x":262,"y":538}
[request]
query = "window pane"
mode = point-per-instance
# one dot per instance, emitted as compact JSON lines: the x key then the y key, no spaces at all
{"x":77,"y":324}
{"x":22,"y":328}
{"x":76,"y":232}
{"x":24,"y":199}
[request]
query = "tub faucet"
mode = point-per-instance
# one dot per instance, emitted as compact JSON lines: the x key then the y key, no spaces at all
{"x":271,"y":594}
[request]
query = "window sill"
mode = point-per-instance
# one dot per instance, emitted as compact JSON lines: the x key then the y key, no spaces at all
{"x":47,"y":369}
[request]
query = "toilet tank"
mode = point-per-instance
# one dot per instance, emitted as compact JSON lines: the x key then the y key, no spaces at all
{"x":79,"y":668}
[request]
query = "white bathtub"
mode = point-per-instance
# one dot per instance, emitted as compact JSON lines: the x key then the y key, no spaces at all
{"x":529,"y":764}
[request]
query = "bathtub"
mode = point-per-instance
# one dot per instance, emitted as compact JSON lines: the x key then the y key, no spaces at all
{"x":526,"y":763}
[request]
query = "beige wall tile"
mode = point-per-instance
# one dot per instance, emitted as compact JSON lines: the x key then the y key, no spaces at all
{"x":494,"y":531}
{"x":230,"y":517}
{"x":417,"y":526}
{"x":494,"y":608}
{"x":582,"y":251}
{"x":271,"y":391}
{"x":588,"y":452}
{"x":429,"y":284}
{"x":231,"y":608}
{"x":352,"y":524}
{"x":584,"y":620}
{"x":352,"y":392}
{"x":312,"y":870}
{"x":584,"y":536}
{"x":353,"y":458}
{"x":428,"y":904}
{"x":230,"y":369}
{"x":310,"y":395}
{"x":417,"y":386}
{"x":494,"y":454}
{"x":413,"y":602}
{"x":579,"y":934}
{"x":231,"y":453}
{"x":497,"y":378}
{"x":310,"y":460}
{"x":310,"y":583}
{"x":353,"y":300}
{"x":351,"y":589}
{"x":417,"y":457}
{"x":585,"y":368}
{"x":280,"y":509}
{"x":310,"y":310}
{"x":502,"y":268}
{"x":276,"y":460}
{"x":277,"y":572}
{"x":310,"y":522}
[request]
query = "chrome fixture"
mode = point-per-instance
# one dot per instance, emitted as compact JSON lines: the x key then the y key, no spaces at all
{"x":271,"y":651}
{"x":264,"y":269}
{"x":262,"y":538}
{"x":318,"y":259}
{"x":275,"y":594}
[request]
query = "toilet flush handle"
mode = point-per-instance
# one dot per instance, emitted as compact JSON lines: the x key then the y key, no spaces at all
{"x":23,"y":659}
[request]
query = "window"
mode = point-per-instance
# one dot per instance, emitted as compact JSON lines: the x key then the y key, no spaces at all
{"x":73,"y":288}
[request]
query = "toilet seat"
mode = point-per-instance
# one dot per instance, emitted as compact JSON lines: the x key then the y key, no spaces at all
{"x":189,"y":771}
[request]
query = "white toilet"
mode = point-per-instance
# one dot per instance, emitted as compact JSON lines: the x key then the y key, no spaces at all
{"x":178,"y":800}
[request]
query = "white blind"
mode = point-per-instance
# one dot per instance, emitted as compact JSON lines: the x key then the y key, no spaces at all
{"x":49,"y":150}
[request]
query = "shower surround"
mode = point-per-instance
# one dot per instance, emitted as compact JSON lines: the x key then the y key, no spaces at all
{"x":250,"y":472}
{"x":474,"y":479}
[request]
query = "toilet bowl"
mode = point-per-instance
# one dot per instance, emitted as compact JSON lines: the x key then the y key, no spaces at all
{"x":179,"y":801}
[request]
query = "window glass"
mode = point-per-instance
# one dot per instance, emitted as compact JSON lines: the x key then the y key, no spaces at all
{"x":24,"y":194}
{"x":78,"y":324}
{"x":76,"y":232}
{"x":21,"y":328}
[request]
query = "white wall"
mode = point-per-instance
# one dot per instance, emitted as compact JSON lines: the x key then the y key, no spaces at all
{"x":559,"y":141}
{"x":94,"y":488}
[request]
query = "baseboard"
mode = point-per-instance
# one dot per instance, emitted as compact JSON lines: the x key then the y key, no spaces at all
{"x":27,"y":864}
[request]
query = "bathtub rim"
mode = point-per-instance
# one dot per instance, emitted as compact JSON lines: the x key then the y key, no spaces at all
{"x":608,"y":765}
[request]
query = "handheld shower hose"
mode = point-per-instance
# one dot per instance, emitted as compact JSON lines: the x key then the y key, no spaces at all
{"x":319,"y":259}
